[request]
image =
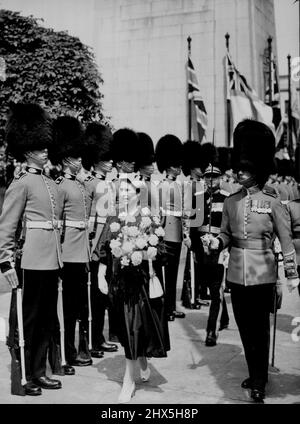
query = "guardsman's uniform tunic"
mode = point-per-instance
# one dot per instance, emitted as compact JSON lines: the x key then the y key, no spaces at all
{"x":33,"y":198}
{"x":76,"y":199}
{"x":102,"y":207}
{"x":294,"y":212}
{"x":251,"y":220}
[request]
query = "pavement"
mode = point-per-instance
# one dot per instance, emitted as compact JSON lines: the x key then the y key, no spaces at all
{"x":191,"y":374}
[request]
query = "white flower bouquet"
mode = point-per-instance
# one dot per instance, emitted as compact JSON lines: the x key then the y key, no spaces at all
{"x":135,"y":239}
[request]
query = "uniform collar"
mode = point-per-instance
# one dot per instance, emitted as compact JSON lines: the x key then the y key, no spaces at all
{"x":69,"y":176}
{"x":170,"y":177}
{"x":252,"y":190}
{"x":33,"y":170}
{"x":97,"y":175}
{"x":144,"y":178}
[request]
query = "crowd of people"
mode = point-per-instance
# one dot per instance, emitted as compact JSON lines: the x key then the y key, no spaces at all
{"x":80,"y":243}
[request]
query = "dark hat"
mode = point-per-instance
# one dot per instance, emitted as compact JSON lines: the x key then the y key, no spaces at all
{"x":224,"y":155}
{"x":98,"y":144}
{"x":28,"y":128}
{"x":68,"y":139}
{"x":212,"y":171}
{"x":145,"y":151}
{"x":254,"y":149}
{"x":168,"y":152}
{"x":192,"y":156}
{"x":124,"y":145}
{"x":209,"y":154}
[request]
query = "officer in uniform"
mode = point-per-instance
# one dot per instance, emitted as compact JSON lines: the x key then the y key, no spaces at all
{"x":169,"y":155}
{"x":33,"y":198}
{"x":76,"y":198}
{"x":294,"y":212}
{"x":213,"y":269}
{"x":193,"y":209}
{"x":251,"y":219}
{"x":98,"y":159}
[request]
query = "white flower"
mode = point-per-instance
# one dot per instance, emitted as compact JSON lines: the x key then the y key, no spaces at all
{"x":160,"y":232}
{"x":117,"y":252}
{"x":133,"y":231}
{"x":156,"y":220}
{"x":145,"y":211}
{"x":151,"y":252}
{"x":114,"y":227}
{"x":122,"y":216}
{"x":125,"y":261}
{"x":145,"y":222}
{"x":127,"y":247}
{"x":125,"y":229}
{"x":130,"y":218}
{"x":114,"y":243}
{"x":136,"y":258}
{"x":140,"y":243}
{"x":153,"y":240}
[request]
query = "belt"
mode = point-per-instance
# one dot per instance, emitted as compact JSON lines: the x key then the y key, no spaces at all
{"x":100,"y":220}
{"x":81,"y":225}
{"x":44,"y":225}
{"x":205,"y":229}
{"x":296,"y":235}
{"x":254,"y":244}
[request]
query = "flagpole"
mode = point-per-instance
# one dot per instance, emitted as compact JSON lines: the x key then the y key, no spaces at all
{"x":227,"y":36}
{"x":290,"y":138}
{"x":189,"y":40}
{"x":270,"y":71}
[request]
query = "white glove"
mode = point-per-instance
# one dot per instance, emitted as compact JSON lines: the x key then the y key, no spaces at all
{"x":214,"y":243}
{"x":12,"y":278}
{"x":187,"y":241}
{"x":292,"y":283}
{"x":102,"y":283}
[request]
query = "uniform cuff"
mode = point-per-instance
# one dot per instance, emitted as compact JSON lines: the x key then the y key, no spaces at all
{"x":5,"y":266}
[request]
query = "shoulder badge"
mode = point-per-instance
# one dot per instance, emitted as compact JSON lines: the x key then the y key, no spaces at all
{"x":270,"y":191}
{"x":20,"y":175}
{"x":59,"y":180}
{"x":225,"y":193}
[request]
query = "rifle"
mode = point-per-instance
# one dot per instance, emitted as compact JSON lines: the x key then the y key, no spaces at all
{"x":15,"y":339}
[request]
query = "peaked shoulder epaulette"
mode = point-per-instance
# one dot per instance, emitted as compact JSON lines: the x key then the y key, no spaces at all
{"x":20,"y":175}
{"x":224,"y":192}
{"x":89,"y":178}
{"x":59,"y":180}
{"x":270,"y":191}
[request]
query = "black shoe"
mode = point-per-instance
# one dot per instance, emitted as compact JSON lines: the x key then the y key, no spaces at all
{"x":68,"y":370}
{"x":178,"y":314}
{"x":203,"y":302}
{"x":97,"y":353}
{"x":171,"y":317}
{"x":211,"y":339}
{"x":32,"y":389}
{"x":81,"y":362}
{"x":47,"y":383}
{"x":108,"y":347}
{"x":246,"y":384}
{"x":223,"y":326}
{"x":257,"y":395}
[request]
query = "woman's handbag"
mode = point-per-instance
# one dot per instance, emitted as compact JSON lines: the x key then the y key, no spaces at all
{"x":155,"y":288}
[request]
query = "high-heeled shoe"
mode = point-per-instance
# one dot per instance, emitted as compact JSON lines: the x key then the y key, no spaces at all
{"x":126,"y":395}
{"x":145,"y":374}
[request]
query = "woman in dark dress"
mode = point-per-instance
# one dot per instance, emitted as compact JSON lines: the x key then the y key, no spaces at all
{"x":142,"y":326}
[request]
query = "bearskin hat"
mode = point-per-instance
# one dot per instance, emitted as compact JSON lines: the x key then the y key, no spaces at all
{"x":192,"y":156}
{"x":98,"y":144}
{"x":254,"y":149}
{"x":145,"y":152}
{"x":28,"y":128}
{"x":168,"y":152}
{"x":209,"y":154}
{"x":224,"y":158}
{"x":125,"y":145}
{"x":68,"y":139}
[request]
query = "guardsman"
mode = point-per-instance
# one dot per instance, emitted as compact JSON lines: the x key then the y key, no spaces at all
{"x":33,"y":198}
{"x":193,"y":208}
{"x":76,"y":198}
{"x":169,"y":156}
{"x":294,"y":212}
{"x":213,"y":267}
{"x":251,"y":219}
{"x":98,"y":159}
